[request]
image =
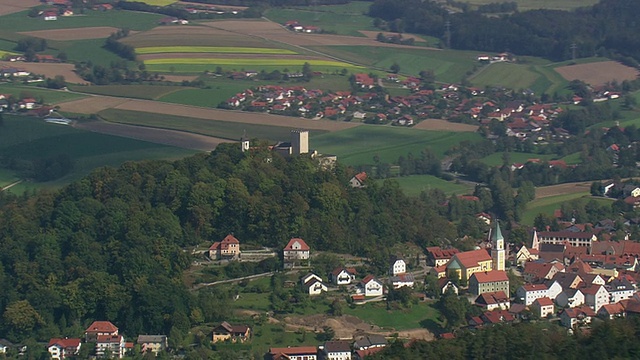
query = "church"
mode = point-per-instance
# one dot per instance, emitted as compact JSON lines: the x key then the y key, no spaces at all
{"x":463,"y":265}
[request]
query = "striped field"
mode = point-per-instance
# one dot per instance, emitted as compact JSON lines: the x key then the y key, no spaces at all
{"x":212,"y":49}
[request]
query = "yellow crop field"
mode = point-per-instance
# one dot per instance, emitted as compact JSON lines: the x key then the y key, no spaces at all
{"x":247,"y":62}
{"x":4,"y":53}
{"x":212,"y":49}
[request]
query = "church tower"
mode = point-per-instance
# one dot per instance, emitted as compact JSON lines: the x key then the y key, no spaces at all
{"x":244,"y":141}
{"x":497,"y":248}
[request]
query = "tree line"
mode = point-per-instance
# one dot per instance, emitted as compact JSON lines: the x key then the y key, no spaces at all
{"x":608,"y":28}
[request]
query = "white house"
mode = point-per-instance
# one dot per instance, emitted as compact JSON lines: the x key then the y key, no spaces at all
{"x":343,"y":276}
{"x":315,"y":287}
{"x":63,"y":348}
{"x":294,"y":353}
{"x":570,"y":298}
{"x":543,"y":307}
{"x":113,"y":344}
{"x":358,"y":180}
{"x":336,"y":350}
{"x":371,"y":286}
{"x":572,"y":318}
{"x":620,"y":290}
{"x":398,"y":267}
{"x":528,"y":293}
{"x":296,"y":249}
{"x":595,"y":296}
{"x":554,"y":289}
{"x":310,"y":276}
{"x":402,"y":280}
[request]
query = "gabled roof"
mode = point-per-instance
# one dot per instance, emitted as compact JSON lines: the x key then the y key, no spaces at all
{"x":338,"y":270}
{"x":64,"y":343}
{"x":151,"y":339}
{"x":438,"y":253}
{"x":101,"y":327}
{"x":591,"y":290}
{"x":109,"y":339}
{"x":490,"y":276}
{"x":233,"y":328}
{"x":370,"y":278}
{"x":337,"y":346}
{"x":566,"y":234}
{"x":361,"y":177}
{"x":472,"y":258}
{"x":579,"y":267}
{"x":543,"y":301}
{"x":579,"y":311}
{"x":498,"y":316}
{"x":534,"y":287}
{"x":294,"y":350}
{"x":566,"y":279}
{"x":539,"y":269}
{"x":492,"y":298}
{"x":612,"y":309}
{"x":293,"y":241}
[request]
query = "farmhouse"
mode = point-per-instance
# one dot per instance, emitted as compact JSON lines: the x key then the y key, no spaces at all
{"x":357,"y":181}
{"x":343,"y":276}
{"x":543,"y":307}
{"x":63,"y":348}
{"x":50,"y":15}
{"x":371,"y":286}
{"x":228,"y":248}
{"x":493,"y":300}
{"x":233,"y":333}
{"x":295,"y":252}
{"x":294,"y":353}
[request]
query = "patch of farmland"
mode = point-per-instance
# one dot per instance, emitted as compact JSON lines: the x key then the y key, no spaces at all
{"x":269,"y":59}
{"x":132,"y":20}
{"x":98,"y":32}
{"x":512,"y":76}
{"x":212,"y":49}
{"x":277,"y":33}
{"x":443,"y":125}
{"x":598,"y":73}
{"x":198,"y":65}
{"x":216,"y":6}
{"x":13,"y":6}
{"x":149,"y":92}
{"x":164,"y":36}
{"x":158,"y":2}
{"x":49,"y":96}
{"x":49,"y":70}
{"x":98,"y":103}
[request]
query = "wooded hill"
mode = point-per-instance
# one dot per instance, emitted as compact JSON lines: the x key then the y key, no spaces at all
{"x":609,"y":28}
{"x":114,"y":245}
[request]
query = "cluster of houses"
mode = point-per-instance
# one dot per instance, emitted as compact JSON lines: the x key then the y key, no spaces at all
{"x":170,"y":20}
{"x":60,"y":8}
{"x":495,"y":58}
{"x":569,"y":274}
{"x":295,"y":25}
{"x":104,"y":336}
{"x":522,"y":119}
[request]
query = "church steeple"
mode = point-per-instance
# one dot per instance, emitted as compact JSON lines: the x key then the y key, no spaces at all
{"x":497,"y":247}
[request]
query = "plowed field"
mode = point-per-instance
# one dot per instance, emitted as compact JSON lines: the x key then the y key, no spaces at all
{"x":97,"y":32}
{"x":48,"y":70}
{"x":598,"y":73}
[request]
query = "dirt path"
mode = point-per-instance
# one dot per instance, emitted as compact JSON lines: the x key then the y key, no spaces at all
{"x":158,"y":136}
{"x":11,"y":185}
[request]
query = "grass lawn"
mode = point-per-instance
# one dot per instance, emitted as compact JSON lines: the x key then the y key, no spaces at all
{"x":49,"y":96}
{"x":203,"y":97}
{"x":86,"y":50}
{"x":496,"y":159}
{"x":150,"y":92}
{"x":541,"y":4}
{"x":548,"y":205}
{"x":221,"y":129}
{"x":540,"y":79}
{"x":447,"y":65}
{"x":196,"y":66}
{"x":341,"y":19}
{"x":273,"y":335}
{"x":422,"y":315}
{"x":29,"y":138}
{"x":413,"y":185}
{"x":116,"y":18}
{"x":358,"y":146}
{"x":572,"y":159}
{"x":7,"y":46}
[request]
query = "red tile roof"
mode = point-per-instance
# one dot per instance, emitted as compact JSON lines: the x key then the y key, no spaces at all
{"x":491,"y":276}
{"x":472,"y":258}
{"x":438,"y":253}
{"x":498,"y":316}
{"x":101,"y":327}
{"x":611,"y":309}
{"x":543,"y":301}
{"x":361,"y":176}
{"x":64,"y":343}
{"x":224,"y":244}
{"x":540,"y":270}
{"x":370,"y":351}
{"x":492,"y":298}
{"x":303,"y":245}
{"x":294,"y":350}
{"x":534,"y":287}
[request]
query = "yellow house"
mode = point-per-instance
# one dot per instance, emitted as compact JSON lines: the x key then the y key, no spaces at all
{"x":232,"y":333}
{"x":464,"y":264}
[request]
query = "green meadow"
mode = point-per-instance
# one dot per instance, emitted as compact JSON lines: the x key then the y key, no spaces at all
{"x":447,"y":65}
{"x":31,"y":138}
{"x":421,"y":315}
{"x":221,"y":129}
{"x":346,"y":19}
{"x":413,"y":185}
{"x":48,"y":96}
{"x":550,"y":204}
{"x":115,"y":18}
{"x":149,"y":92}
{"x":540,"y":79}
{"x":359,"y":145}
{"x":211,"y":49}
{"x":86,"y":50}
{"x":497,"y":159}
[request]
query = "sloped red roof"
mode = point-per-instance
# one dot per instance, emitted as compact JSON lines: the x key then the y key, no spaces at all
{"x":472,"y":258}
{"x":294,"y":350}
{"x":543,"y":301}
{"x":64,"y":343}
{"x":534,"y":287}
{"x":492,"y":298}
{"x":108,"y":338}
{"x":498,"y":316}
{"x":438,"y":253}
{"x":611,"y":309}
{"x":101,"y":327}
{"x":303,"y":245}
{"x":491,"y":276}
{"x":580,"y":267}
{"x":540,"y":270}
{"x":361,"y":176}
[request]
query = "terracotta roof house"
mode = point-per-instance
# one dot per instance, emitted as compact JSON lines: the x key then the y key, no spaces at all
{"x":357,"y":181}
{"x":437,"y":256}
{"x":336,"y":350}
{"x":493,"y":300}
{"x":444,"y":284}
{"x":574,"y":317}
{"x":497,"y":317}
{"x":228,"y":248}
{"x":464,"y":264}
{"x":295,"y":252}
{"x":543,"y":307}
{"x":611,"y":311}
{"x":294,"y":353}
{"x":63,"y":348}
{"x":232,"y":333}
{"x":99,"y":328}
{"x":488,"y":281}
{"x":343,"y":276}
{"x":371,"y":286}
{"x":113,"y":344}
{"x":536,"y":271}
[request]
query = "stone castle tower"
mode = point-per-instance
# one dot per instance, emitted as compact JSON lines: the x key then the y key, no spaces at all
{"x":497,"y":248}
{"x":299,"y":142}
